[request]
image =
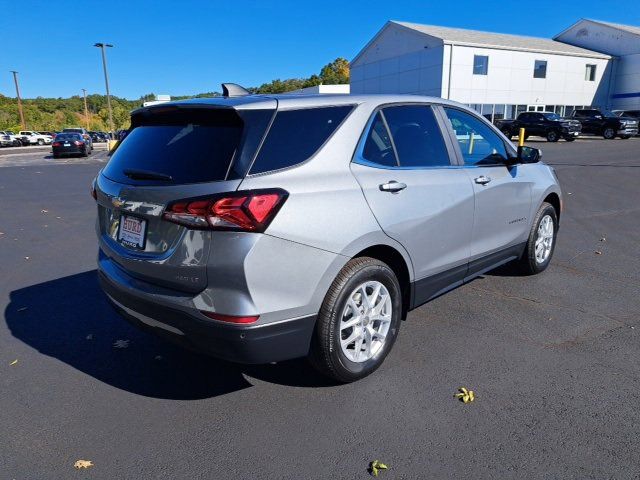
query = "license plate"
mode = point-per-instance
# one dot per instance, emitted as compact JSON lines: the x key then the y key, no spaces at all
{"x":67,"y":144}
{"x":132,"y":231}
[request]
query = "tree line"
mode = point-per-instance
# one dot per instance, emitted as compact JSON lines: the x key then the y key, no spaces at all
{"x":54,"y":114}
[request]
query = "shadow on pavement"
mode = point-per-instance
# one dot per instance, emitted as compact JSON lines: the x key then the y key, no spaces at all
{"x":61,"y":313}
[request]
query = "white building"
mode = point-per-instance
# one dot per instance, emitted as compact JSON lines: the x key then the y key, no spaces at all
{"x":623,"y":43}
{"x":329,"y":89}
{"x":499,"y":75}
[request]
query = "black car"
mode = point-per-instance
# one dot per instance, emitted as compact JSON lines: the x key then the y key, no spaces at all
{"x":607,"y":124}
{"x":98,"y":137}
{"x":544,"y":124}
{"x":70,"y":144}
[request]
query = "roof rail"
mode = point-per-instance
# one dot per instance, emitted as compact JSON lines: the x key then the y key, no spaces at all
{"x":234,"y":90}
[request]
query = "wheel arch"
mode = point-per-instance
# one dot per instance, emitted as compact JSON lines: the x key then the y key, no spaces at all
{"x":554,"y":199}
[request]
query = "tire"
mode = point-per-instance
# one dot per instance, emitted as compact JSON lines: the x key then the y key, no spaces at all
{"x":327,"y":353}
{"x":530,"y":263}
{"x":553,"y":136}
{"x":85,"y":153}
{"x":624,"y":137}
{"x":570,"y":139}
{"x":40,"y":142}
{"x":56,"y":156}
{"x":609,"y":133}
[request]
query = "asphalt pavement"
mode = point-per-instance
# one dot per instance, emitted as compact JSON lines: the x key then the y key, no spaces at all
{"x":553,"y":359}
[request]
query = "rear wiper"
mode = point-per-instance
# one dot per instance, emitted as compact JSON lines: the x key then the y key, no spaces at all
{"x":146,"y":175}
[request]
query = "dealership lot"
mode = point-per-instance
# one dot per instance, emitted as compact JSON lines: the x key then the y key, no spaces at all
{"x":552,"y":358}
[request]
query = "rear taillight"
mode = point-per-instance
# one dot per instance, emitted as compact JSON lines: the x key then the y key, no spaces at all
{"x":78,"y":143}
{"x":56,"y":144}
{"x":231,"y":318}
{"x":250,"y":211}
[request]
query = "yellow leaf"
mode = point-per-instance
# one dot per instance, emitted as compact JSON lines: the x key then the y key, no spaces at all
{"x":83,"y":464}
{"x":14,"y":362}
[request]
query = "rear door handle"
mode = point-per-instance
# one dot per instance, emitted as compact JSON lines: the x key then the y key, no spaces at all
{"x":482,"y":180}
{"x":392,"y":186}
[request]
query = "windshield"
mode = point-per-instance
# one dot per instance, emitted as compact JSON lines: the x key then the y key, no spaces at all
{"x":551,"y":116}
{"x":67,"y":137}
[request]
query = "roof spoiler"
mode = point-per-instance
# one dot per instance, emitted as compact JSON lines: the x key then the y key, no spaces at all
{"x":234,"y":90}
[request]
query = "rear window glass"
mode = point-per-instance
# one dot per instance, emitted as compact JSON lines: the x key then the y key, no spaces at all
{"x":67,"y":137}
{"x":189,"y":148}
{"x":296,"y":135}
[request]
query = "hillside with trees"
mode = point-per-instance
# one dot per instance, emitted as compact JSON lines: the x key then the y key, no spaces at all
{"x":54,"y":114}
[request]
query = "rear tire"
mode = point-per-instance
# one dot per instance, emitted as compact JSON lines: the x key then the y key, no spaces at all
{"x":542,"y":241}
{"x":40,"y":142}
{"x":609,"y":133}
{"x":352,"y":298}
{"x":553,"y":136}
{"x":624,"y":137}
{"x":570,"y":139}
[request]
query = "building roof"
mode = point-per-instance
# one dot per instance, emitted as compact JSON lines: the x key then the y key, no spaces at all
{"x":618,"y":26}
{"x":474,"y":38}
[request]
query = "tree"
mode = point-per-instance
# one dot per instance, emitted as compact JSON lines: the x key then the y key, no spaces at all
{"x":336,"y":72}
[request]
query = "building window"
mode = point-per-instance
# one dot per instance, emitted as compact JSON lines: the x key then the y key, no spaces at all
{"x":480,"y":64}
{"x":540,"y":69}
{"x":590,"y":73}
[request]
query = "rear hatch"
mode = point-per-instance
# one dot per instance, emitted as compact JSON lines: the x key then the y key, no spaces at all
{"x":173,"y":152}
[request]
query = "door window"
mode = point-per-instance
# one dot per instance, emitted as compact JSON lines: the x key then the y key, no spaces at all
{"x":479,"y":144}
{"x":378,"y":148}
{"x":416,"y":136}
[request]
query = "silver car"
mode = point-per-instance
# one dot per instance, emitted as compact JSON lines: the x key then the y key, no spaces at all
{"x":265,"y":228}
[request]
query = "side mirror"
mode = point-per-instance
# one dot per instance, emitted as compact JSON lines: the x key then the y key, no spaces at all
{"x":529,"y":154}
{"x":599,"y":117}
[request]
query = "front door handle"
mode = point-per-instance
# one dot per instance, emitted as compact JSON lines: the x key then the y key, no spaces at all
{"x":392,"y":186}
{"x":482,"y":180}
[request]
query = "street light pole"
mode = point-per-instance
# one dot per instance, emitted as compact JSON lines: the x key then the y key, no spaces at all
{"x":15,"y":80}
{"x":86,"y":110}
{"x":102,"y":46}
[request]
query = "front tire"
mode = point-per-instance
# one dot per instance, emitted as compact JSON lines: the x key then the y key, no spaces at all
{"x":40,"y":142}
{"x":542,"y":241}
{"x":624,"y":137}
{"x":358,"y":322}
{"x":609,"y":133}
{"x":552,"y":136}
{"x":570,"y":139}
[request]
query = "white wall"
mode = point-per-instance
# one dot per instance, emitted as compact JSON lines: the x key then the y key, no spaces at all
{"x":601,"y":38}
{"x":627,"y":82}
{"x":399,"y":61}
{"x":510,"y":78}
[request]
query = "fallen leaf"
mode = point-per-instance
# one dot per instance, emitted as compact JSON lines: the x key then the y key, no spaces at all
{"x":83,"y":464}
{"x":58,"y":217}
{"x":569,"y":193}
{"x":22,"y":309}
{"x":26,"y":258}
{"x":603,"y":239}
{"x":598,"y":252}
{"x":375,"y":466}
{"x":14,"y":362}
{"x":121,"y":344}
{"x":44,"y":211}
{"x":465,"y":396}
{"x":90,"y":336}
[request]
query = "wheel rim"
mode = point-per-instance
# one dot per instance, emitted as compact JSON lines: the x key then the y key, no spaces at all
{"x":608,"y":133}
{"x":552,"y":136}
{"x":544,"y":239}
{"x":365,"y":321}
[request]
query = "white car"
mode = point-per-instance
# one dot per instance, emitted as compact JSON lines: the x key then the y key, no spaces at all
{"x":8,"y":139}
{"x":35,"y":138}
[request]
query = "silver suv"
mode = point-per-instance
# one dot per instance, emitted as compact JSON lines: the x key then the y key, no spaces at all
{"x":265,"y":228}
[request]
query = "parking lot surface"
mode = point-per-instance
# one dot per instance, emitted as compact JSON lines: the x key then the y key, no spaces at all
{"x":553,"y":359}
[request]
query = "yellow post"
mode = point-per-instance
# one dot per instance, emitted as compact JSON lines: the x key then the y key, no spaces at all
{"x":112,"y":144}
{"x":521,"y":138}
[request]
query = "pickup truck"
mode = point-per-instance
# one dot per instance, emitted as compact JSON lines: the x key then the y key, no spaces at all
{"x":8,"y":139}
{"x":35,"y":138}
{"x":544,"y":124}
{"x":605,"y":123}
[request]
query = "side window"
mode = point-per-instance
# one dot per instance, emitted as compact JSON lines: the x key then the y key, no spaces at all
{"x":416,"y":136}
{"x":296,"y":135}
{"x":479,"y":144}
{"x":378,"y":148}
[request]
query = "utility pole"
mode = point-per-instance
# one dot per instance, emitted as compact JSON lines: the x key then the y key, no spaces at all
{"x":86,"y":110}
{"x":15,"y":80}
{"x":102,"y":46}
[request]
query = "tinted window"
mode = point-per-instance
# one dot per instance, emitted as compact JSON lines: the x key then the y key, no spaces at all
{"x":479,"y":144}
{"x":480,"y":64}
{"x":416,"y":136}
{"x":551,"y":116}
{"x":67,"y":137}
{"x":540,"y":69}
{"x":296,"y":135}
{"x":191,"y":147}
{"x":378,"y":148}
{"x":590,"y":73}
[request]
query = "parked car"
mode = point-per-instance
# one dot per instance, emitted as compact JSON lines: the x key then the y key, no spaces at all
{"x":259,"y":229}
{"x":549,"y":125}
{"x":34,"y":138}
{"x":605,"y":123}
{"x":50,"y":134}
{"x":98,"y":137}
{"x":83,"y":132}
{"x":628,"y":113}
{"x":9,"y":139}
{"x":70,"y":144}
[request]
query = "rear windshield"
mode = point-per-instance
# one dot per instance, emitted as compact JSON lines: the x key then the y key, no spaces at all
{"x":63,"y":137}
{"x":296,"y":135}
{"x":189,"y":148}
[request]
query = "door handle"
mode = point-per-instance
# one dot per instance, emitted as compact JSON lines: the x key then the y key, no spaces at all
{"x":392,"y":186}
{"x":482,"y":180}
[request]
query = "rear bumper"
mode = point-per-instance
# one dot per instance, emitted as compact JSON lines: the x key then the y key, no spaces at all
{"x":271,"y":342}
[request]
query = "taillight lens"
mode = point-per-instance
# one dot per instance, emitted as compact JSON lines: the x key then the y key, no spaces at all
{"x":78,"y":143}
{"x":231,"y":318}
{"x":56,"y":144}
{"x":250,"y":211}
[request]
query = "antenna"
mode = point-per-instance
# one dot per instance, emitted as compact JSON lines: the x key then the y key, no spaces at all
{"x":234,"y":90}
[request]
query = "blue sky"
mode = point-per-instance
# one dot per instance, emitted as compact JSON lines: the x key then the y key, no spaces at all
{"x":184,"y":47}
